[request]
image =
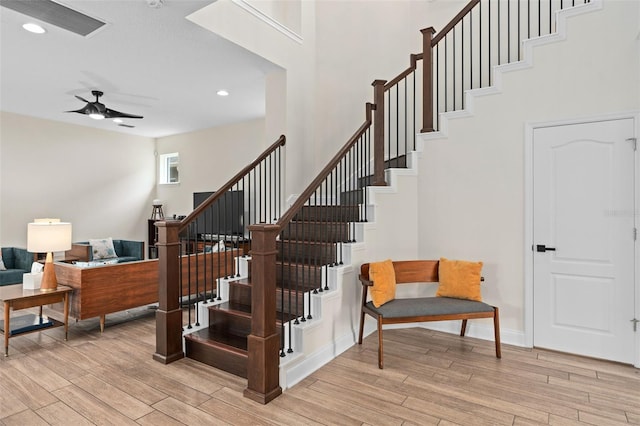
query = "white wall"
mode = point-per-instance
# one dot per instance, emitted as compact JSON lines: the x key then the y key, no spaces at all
{"x":345,"y":46}
{"x":472,"y":182}
{"x":208,"y":159}
{"x":100,"y":181}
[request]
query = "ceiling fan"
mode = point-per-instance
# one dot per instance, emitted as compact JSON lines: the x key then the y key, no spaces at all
{"x":98,"y":110}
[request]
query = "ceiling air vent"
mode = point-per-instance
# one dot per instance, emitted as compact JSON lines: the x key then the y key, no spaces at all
{"x":55,"y":14}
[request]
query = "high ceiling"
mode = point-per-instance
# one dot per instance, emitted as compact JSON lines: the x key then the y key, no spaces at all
{"x":148,"y":61}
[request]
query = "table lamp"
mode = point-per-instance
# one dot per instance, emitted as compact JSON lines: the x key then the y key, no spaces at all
{"x":47,"y":236}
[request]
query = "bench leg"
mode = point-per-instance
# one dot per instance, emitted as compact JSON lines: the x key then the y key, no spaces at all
{"x":102,"y":320}
{"x":380,"y":356}
{"x":361,"y":327}
{"x":496,"y":332}
{"x":464,"y":327}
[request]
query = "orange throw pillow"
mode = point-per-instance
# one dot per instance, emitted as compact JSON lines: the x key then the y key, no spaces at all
{"x":459,"y":279}
{"x":384,"y":282}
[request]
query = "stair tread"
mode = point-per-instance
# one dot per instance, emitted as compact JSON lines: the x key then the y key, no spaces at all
{"x":219,"y":338}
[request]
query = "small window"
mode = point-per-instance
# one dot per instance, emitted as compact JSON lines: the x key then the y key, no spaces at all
{"x":169,"y":168}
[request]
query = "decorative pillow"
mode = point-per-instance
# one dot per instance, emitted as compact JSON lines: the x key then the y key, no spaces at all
{"x":384,"y":282}
{"x":2,"y":267}
{"x":103,"y":248}
{"x":459,"y":279}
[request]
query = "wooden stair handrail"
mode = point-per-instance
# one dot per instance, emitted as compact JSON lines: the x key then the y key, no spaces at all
{"x":227,"y":186}
{"x":456,"y":19}
{"x":302,"y":199}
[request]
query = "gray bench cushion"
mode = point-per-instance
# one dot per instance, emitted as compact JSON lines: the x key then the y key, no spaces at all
{"x":399,"y":308}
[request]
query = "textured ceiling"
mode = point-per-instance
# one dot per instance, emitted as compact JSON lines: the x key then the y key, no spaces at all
{"x":148,"y":61}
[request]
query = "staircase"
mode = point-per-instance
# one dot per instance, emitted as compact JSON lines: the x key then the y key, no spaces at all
{"x":309,"y":244}
{"x":312,"y":241}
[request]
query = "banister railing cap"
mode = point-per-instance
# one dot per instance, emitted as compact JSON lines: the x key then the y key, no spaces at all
{"x":428,"y":30}
{"x":379,"y":82}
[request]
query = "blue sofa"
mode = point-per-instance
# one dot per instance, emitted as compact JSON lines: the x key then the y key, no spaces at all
{"x":126,"y":251}
{"x":18,"y":262}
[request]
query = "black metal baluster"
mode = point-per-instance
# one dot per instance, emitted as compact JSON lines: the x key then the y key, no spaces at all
{"x":453,"y":65}
{"x":317,"y":217}
{"x":480,"y":41}
{"x":499,"y":35}
{"x":437,"y":83}
{"x":397,"y":125}
{"x":314,"y":220}
{"x":405,"y":115}
{"x":471,"y":50}
{"x":489,"y":47}
{"x":462,"y":61}
{"x":446,"y":74}
{"x":508,"y":32}
{"x":189,"y":242}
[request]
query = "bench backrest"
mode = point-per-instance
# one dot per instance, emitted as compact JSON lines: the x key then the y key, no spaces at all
{"x":410,"y":271}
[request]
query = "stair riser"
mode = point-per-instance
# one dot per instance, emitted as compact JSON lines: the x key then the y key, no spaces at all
{"x":315,"y":254}
{"x":239,"y":293}
{"x":329,"y":214}
{"x":229,"y":361}
{"x":305,"y":276}
{"x":293,"y":297}
{"x":225,"y":320}
{"x":316,"y":231}
{"x":352,"y":197}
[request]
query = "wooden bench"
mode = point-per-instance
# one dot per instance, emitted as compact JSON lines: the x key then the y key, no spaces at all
{"x":421,"y":309}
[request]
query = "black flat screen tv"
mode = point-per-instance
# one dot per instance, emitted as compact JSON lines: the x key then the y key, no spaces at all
{"x":223,"y":217}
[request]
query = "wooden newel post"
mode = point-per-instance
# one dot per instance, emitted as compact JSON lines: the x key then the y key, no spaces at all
{"x":263,"y":369}
{"x":427,"y":80}
{"x":378,"y":133}
{"x":169,"y":313}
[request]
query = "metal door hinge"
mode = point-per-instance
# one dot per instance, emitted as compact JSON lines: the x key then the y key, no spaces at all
{"x":635,"y":324}
{"x":634,"y":143}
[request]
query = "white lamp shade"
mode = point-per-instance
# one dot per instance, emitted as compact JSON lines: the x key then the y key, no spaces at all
{"x":44,"y":237}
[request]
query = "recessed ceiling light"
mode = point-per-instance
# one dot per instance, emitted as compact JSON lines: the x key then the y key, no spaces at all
{"x":34,"y":28}
{"x":222,"y":93}
{"x":117,"y":120}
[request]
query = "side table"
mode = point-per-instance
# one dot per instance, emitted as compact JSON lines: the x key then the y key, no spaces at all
{"x":16,"y":297}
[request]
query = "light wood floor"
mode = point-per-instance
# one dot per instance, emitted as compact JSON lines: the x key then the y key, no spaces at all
{"x":429,"y":378}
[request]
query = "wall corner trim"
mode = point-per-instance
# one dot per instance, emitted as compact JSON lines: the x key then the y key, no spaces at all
{"x":243,"y":4}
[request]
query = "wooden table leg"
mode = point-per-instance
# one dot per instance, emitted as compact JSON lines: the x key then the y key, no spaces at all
{"x":7,"y":328}
{"x":102,"y":320}
{"x":66,"y":316}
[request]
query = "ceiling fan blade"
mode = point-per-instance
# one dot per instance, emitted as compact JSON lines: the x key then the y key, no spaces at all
{"x":84,"y":110}
{"x":111,"y":113}
{"x":82,"y":99}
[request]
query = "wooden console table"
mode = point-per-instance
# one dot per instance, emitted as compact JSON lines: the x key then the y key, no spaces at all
{"x":15,"y":297}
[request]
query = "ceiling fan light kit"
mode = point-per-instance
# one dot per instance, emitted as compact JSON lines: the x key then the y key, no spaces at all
{"x":98,"y":111}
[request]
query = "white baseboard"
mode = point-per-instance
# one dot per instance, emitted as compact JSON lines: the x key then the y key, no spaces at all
{"x":294,"y":371}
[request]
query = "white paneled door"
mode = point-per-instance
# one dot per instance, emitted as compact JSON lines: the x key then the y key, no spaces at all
{"x":584,"y":239}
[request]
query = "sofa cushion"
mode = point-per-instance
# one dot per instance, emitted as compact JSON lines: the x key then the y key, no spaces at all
{"x":384,"y":282}
{"x":12,"y":276}
{"x":459,"y":279}
{"x":103,"y":248}
{"x":423,"y":306}
{"x":17,"y":258}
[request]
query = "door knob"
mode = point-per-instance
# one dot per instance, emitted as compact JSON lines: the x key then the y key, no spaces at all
{"x":542,"y":248}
